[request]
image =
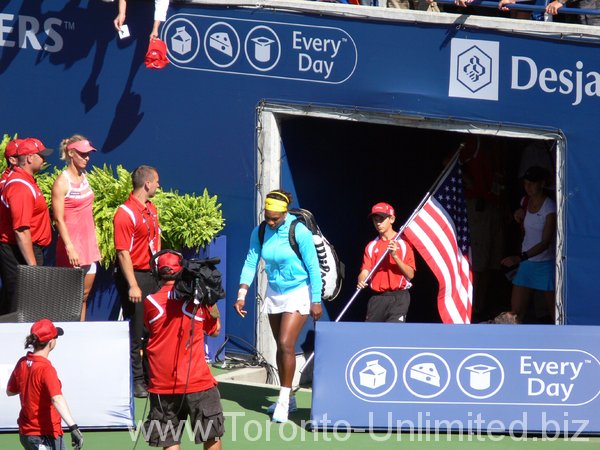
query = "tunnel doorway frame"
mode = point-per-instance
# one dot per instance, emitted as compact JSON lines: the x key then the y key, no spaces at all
{"x":268,"y":165}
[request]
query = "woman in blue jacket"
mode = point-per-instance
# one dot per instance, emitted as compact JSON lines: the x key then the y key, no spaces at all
{"x":293,"y":288}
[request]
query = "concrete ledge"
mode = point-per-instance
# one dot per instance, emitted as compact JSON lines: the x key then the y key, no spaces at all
{"x":247,"y":375}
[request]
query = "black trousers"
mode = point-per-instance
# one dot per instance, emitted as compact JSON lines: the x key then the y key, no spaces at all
{"x":389,"y":306}
{"x":134,"y":312}
{"x":10,"y":258}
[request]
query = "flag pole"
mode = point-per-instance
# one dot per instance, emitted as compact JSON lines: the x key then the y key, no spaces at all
{"x":440,"y":179}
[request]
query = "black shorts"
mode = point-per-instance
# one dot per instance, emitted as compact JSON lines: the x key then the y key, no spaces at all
{"x":165,"y":425}
{"x":389,"y":306}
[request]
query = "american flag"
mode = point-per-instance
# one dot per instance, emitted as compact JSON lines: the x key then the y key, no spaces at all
{"x":440,"y":233}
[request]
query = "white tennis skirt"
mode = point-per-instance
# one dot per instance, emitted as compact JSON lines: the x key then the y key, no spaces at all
{"x":297,"y":300}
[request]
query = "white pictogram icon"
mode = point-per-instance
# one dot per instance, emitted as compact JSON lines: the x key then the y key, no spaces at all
{"x":262,"y":48}
{"x":181,"y":42}
{"x":221,"y":42}
{"x":425,"y":372}
{"x":479,"y":377}
{"x":373,"y":375}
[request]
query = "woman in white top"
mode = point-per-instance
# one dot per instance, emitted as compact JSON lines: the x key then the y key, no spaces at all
{"x":537,"y":261}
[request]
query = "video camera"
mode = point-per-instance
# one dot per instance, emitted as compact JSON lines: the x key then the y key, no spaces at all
{"x":198,"y":280}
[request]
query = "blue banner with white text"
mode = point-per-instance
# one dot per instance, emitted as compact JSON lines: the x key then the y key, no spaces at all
{"x":478,"y":379}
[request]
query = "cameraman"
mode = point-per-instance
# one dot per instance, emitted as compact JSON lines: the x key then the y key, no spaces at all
{"x":180,"y":382}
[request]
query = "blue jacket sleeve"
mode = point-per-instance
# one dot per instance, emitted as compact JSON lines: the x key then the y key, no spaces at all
{"x":249,"y":269}
{"x":304,"y":238}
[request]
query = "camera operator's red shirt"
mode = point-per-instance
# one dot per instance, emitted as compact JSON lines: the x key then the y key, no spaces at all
{"x":171,"y":350}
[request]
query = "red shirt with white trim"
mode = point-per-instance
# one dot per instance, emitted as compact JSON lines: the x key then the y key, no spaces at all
{"x":137,"y":230}
{"x":22,"y":204}
{"x":170,"y":345}
{"x":388,"y":276}
{"x":36,"y":381}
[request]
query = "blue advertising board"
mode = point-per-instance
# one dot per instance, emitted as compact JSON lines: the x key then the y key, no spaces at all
{"x":474,"y":379}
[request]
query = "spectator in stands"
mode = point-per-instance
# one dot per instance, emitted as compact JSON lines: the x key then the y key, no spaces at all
{"x":293,"y":288}
{"x":409,"y":4}
{"x":537,"y":260}
{"x":72,"y":199}
{"x":24,"y":218}
{"x":36,"y":382}
{"x":180,"y":382}
{"x":391,"y":280}
{"x":137,"y":238}
{"x":515,"y":14}
{"x":160,"y":15}
{"x":553,"y":8}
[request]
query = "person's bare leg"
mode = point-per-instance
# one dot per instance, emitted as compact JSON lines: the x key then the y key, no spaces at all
{"x":550,"y":299}
{"x":520,"y":301}
{"x":213,"y":444}
{"x":88,"y":282}
{"x":290,"y":328}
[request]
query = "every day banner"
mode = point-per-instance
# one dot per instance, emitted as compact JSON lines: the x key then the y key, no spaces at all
{"x":472,"y":378}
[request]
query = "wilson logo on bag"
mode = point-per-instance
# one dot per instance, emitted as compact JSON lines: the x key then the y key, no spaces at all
{"x":332,"y":269}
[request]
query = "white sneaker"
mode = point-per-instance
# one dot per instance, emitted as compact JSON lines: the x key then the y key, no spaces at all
{"x":292,"y":408}
{"x":280,"y":415}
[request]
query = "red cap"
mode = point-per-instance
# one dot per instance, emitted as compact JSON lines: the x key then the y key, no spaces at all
{"x":168,"y":263}
{"x":382,"y":209}
{"x":45,"y":330}
{"x":81,"y":146}
{"x":11,"y":148}
{"x":31,"y":146}
{"x":156,"y":58}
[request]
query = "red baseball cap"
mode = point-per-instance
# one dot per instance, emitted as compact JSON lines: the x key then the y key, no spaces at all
{"x":11,"y":148}
{"x":156,"y":57}
{"x":382,"y":209}
{"x":81,"y":146}
{"x":45,"y":330}
{"x":168,"y":263}
{"x":31,"y":146}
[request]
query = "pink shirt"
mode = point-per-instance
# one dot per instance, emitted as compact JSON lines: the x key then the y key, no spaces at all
{"x":79,"y":220}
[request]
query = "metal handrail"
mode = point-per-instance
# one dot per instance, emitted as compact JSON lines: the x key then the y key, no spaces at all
{"x":519,"y":7}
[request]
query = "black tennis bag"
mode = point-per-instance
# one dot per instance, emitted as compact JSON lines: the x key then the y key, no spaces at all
{"x":332,"y":269}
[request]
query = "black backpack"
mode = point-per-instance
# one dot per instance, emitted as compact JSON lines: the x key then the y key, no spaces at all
{"x":332,"y":269}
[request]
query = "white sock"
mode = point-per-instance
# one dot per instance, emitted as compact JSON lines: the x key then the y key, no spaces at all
{"x":284,"y":395}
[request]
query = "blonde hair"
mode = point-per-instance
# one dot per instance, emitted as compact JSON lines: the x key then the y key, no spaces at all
{"x":64,"y":154}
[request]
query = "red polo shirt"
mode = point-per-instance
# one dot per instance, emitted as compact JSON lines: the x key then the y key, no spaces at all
{"x":388,"y":276}
{"x":35,"y":380}
{"x":22,"y":204}
{"x":137,"y":230}
{"x":169,"y":321}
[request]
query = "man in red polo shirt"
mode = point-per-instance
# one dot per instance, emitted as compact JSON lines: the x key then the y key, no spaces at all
{"x":391,"y":280}
{"x":24,"y":218}
{"x":180,"y":382}
{"x":137,"y":238}
{"x":40,"y":391}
